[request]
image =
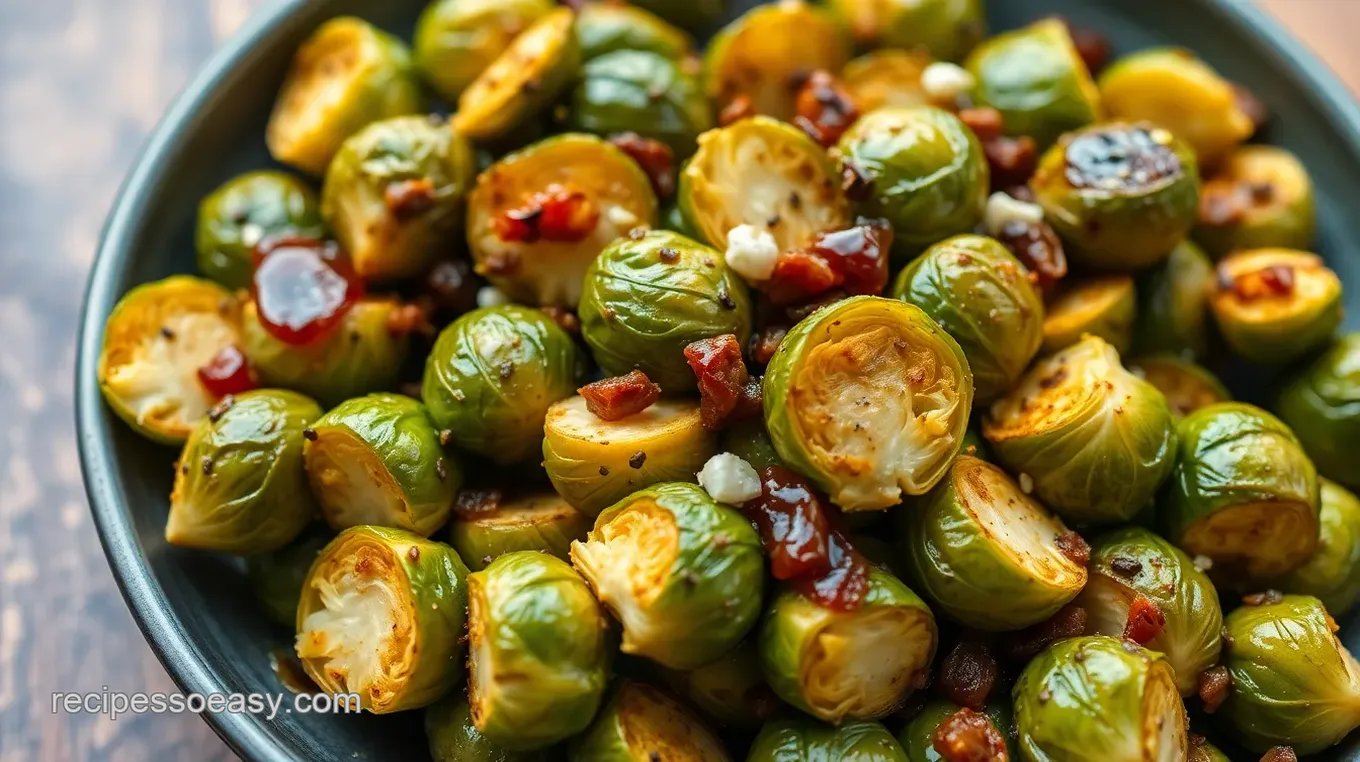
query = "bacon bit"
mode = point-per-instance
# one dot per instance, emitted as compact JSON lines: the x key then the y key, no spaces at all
{"x":967,"y":736}
{"x":765,"y":342}
{"x":799,"y":274}
{"x":302,"y":288}
{"x":824,"y":110}
{"x":228,"y":373}
{"x":854,"y":260}
{"x":406,"y":319}
{"x":1038,"y":248}
{"x":1267,"y":598}
{"x":843,"y":586}
{"x":1223,"y":203}
{"x":968,"y":674}
{"x":722,"y":377}
{"x":737,"y":109}
{"x":476,"y":503}
{"x":1012,"y":160}
{"x":558,"y":213}
{"x":614,"y":399}
{"x":1251,"y":106}
{"x":565,"y":319}
{"x":452,"y":287}
{"x":1146,"y":621}
{"x":222,"y":407}
{"x":653,"y":156}
{"x":1214,"y":684}
{"x":856,"y":185}
{"x":1069,"y":622}
{"x":1072,"y":545}
{"x":985,"y":122}
{"x":1280,"y":754}
{"x":408,"y":199}
{"x":1266,"y":283}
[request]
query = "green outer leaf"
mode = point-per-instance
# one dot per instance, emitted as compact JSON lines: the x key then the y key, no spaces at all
{"x":454,"y":738}
{"x":802,"y":739}
{"x":277,"y":578}
{"x":606,"y":27}
{"x":1173,"y":304}
{"x":245,"y":210}
{"x":541,"y":522}
{"x":240,"y":486}
{"x":642,"y":92}
{"x":455,"y":40}
{"x":1287,"y":221}
{"x":1322,"y":405}
{"x":731,"y":690}
{"x":918,"y":737}
{"x":1294,"y":683}
{"x":1332,"y":573}
{"x":948,"y":29}
{"x":656,"y":725}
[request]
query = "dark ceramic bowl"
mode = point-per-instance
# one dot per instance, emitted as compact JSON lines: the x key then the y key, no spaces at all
{"x":195,"y":608}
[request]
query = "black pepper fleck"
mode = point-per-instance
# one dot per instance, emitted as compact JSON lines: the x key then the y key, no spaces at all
{"x":638,"y":459}
{"x":445,"y":437}
{"x":167,"y":333}
{"x":604,"y":470}
{"x":725,"y":299}
{"x":309,"y":435}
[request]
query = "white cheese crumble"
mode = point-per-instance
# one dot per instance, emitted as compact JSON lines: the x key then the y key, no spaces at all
{"x":490,"y":296}
{"x":729,"y":479}
{"x":620,"y":217}
{"x":944,"y":82}
{"x":1026,"y":483}
{"x":1203,"y":562}
{"x":1002,"y":208}
{"x":751,"y":252}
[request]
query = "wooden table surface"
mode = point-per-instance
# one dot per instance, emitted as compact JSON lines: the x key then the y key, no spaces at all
{"x":81,"y":84}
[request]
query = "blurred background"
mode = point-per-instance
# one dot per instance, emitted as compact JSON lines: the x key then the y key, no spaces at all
{"x":82,"y":82}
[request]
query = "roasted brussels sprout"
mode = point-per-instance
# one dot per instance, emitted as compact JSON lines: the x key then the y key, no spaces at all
{"x":747,"y":439}
{"x":859,"y":664}
{"x":986,"y":553}
{"x":244,"y":211}
{"x":157,"y":337}
{"x":606,"y":27}
{"x":947,"y":29}
{"x":641,"y":722}
{"x":869,"y":399}
{"x":611,"y":193}
{"x":1187,"y":386}
{"x":757,"y":55}
{"x":1096,"y":440}
{"x":760,"y":170}
{"x":1322,"y":405}
{"x":240,"y":486}
{"x":346,"y":75}
{"x":1120,"y":195}
{"x":1332,"y":573}
{"x":1036,"y":78}
{"x":361,"y":355}
{"x":926,"y":169}
{"x":1173,"y":304}
{"x":886,"y":78}
{"x":382,"y":615}
{"x":542,"y":522}
{"x":647,"y":298}
{"x":1171,"y":88}
{"x":594,"y":463}
{"x":682,"y":573}
{"x":394,"y":195}
{"x":456,"y":40}
{"x":277,"y":578}
{"x":1132,"y":563}
{"x":1293,"y":682}
{"x":642,"y":92}
{"x":523,"y":80}
{"x":1275,"y":305}
{"x":1098,"y":305}
{"x":806,"y":740}
{"x":1242,"y":477}
{"x":1097,"y":698}
{"x":453,"y":737}
{"x":1261,"y":197}
{"x":538,"y":662}
{"x":492,"y":375}
{"x":731,"y":690}
{"x":918,"y":737}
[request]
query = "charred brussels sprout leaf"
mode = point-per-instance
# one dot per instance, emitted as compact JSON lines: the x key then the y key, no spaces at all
{"x":731,"y":690}
{"x":240,"y":486}
{"x":492,"y":375}
{"x":886,"y":78}
{"x":1173,"y":304}
{"x":527,"y":76}
{"x":155,"y":340}
{"x":1322,"y":405}
{"x":1294,"y":683}
{"x":1096,"y":440}
{"x":647,"y":298}
{"x":277,"y":578}
{"x":1261,"y":197}
{"x":1332,"y":573}
{"x":606,"y":27}
{"x":642,"y":92}
{"x":856,"y":665}
{"x":918,"y":737}
{"x":345,"y":76}
{"x":453,"y":737}
{"x":682,"y":573}
{"x":1101,"y":306}
{"x":807,"y":740}
{"x":641,"y":722}
{"x":382,"y":615}
{"x":1187,"y":386}
{"x":394,"y":195}
{"x":246,"y":210}
{"x":947,"y":29}
{"x":542,"y":522}
{"x":1275,"y":305}
{"x":986,"y":553}
{"x":456,"y":40}
{"x":869,"y":399}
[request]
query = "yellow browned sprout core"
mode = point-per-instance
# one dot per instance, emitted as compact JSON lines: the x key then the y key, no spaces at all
{"x":352,"y":483}
{"x":1266,"y":539}
{"x":655,"y":727}
{"x":864,"y":664}
{"x":1085,"y":303}
{"x":1015,"y":524}
{"x":1310,"y":283}
{"x":1058,"y":390}
{"x":1165,"y":725}
{"x":627,"y":563}
{"x":511,"y":75}
{"x":322,"y":80}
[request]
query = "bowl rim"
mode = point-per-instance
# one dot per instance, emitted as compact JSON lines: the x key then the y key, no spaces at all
{"x":246,"y":734}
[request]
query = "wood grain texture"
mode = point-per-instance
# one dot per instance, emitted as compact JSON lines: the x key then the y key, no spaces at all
{"x":81,"y":84}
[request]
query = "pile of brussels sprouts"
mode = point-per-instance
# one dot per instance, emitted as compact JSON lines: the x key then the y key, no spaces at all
{"x":1058,"y":535}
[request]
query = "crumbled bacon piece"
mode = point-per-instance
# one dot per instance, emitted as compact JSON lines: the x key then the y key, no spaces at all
{"x":1214,"y":684}
{"x":1072,"y":545}
{"x":1069,"y":622}
{"x":408,"y":199}
{"x":1038,"y":248}
{"x":824,"y":110}
{"x":1146,"y":620}
{"x":557,"y":213}
{"x":967,"y":736}
{"x":722,"y":376}
{"x":985,"y":121}
{"x":854,"y":260}
{"x":475,"y":503}
{"x":968,"y":674}
{"x":653,"y":156}
{"x":1266,"y":283}
{"x":614,"y":399}
{"x":737,"y":109}
{"x":1012,"y":160}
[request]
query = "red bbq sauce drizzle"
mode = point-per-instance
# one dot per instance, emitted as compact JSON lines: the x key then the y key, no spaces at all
{"x":228,"y":372}
{"x":854,"y":260}
{"x":303,"y":288}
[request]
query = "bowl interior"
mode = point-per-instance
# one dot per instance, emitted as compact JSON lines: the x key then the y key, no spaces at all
{"x":196,"y":608}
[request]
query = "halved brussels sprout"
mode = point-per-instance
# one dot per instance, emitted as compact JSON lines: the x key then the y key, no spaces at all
{"x":682,"y":573}
{"x":1172,"y":88}
{"x":643,"y":723}
{"x":765,"y":173}
{"x":647,"y":298}
{"x":1099,"y":305}
{"x":980,"y":294}
{"x":277,"y":578}
{"x":594,"y":463}
{"x":359,"y":356}
{"x":1036,"y":78}
{"x":869,"y":398}
{"x":859,"y":664}
{"x":1322,"y":405}
{"x":918,"y":737}
{"x":538,"y":658}
{"x":1293,"y":682}
{"x":344,"y":76}
{"x":523,"y":80}
{"x":886,"y":78}
{"x":947,"y":29}
{"x":382,"y":615}
{"x":394,"y":195}
{"x":807,"y":740}
{"x":731,"y":690}
{"x":1276,"y":305}
{"x":377,"y":460}
{"x":759,"y":54}
{"x":453,"y":737}
{"x":1173,"y":304}
{"x":539,"y":270}
{"x":240,"y":486}
{"x":987,"y":553}
{"x":246,"y":210}
{"x":492,"y":375}
{"x":1097,"y":698}
{"x":1243,"y":494}
{"x":1120,"y":195}
{"x":1095,"y":440}
{"x":1332,"y":573}
{"x":606,"y":27}
{"x":926,"y":169}
{"x":155,"y":340}
{"x":541,"y":522}
{"x":747,"y":439}
{"x":456,"y":40}
{"x":1261,"y":197}
{"x":642,"y":92}
{"x":1132,"y":562}
{"x":1187,"y":386}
